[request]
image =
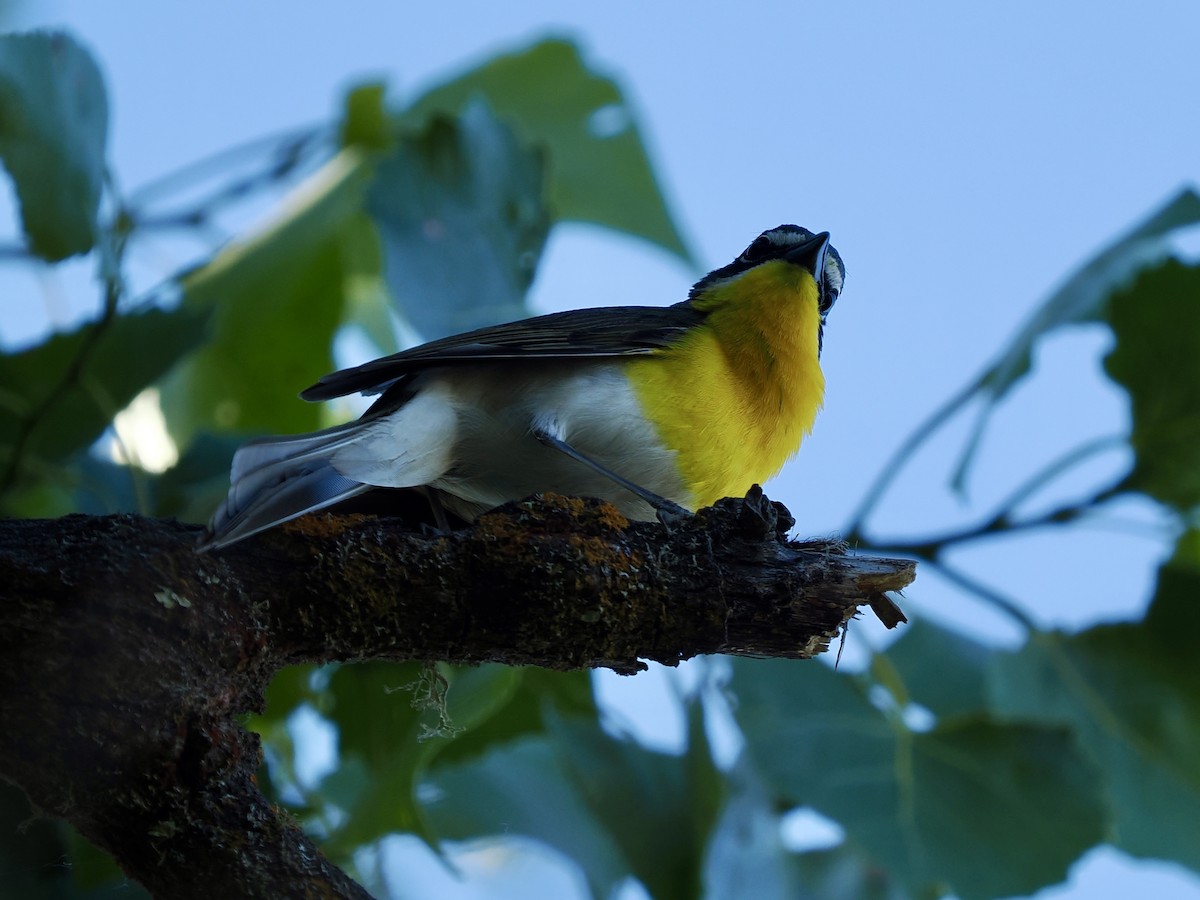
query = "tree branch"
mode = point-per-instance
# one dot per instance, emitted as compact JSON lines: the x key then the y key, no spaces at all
{"x":126,"y":657}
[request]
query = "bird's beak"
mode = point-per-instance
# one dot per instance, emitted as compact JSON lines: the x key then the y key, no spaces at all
{"x":811,"y":254}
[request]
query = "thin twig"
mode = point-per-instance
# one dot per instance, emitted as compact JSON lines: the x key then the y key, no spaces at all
{"x":983,"y":592}
{"x":912,"y":443}
{"x":16,"y":253}
{"x":288,"y":147}
{"x":113,"y":288}
{"x":998,"y":525}
{"x":1065,"y":462}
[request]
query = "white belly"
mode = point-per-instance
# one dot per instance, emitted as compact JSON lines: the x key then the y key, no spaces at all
{"x":468,"y":434}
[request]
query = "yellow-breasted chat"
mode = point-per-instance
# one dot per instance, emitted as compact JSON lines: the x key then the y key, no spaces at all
{"x":642,"y":406}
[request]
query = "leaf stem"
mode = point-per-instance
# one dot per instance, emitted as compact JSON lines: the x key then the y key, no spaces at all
{"x":904,"y":452}
{"x":1001,"y":521}
{"x":983,"y":592}
{"x":1072,"y":458}
{"x":72,"y":376}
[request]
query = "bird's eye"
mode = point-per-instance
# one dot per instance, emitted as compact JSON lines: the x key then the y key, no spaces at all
{"x":831,"y":282}
{"x":759,"y":249}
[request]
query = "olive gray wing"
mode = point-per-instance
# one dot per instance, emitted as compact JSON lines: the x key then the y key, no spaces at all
{"x":583,"y":333}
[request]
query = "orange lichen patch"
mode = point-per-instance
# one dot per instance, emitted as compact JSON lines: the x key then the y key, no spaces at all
{"x":596,"y":551}
{"x":326,"y":525}
{"x":583,"y":511}
{"x":593,"y":529}
{"x":554,"y":514}
{"x":610,"y":517}
{"x":492,"y":527}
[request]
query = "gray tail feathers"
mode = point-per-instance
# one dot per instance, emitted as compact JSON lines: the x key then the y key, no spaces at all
{"x":275,"y":480}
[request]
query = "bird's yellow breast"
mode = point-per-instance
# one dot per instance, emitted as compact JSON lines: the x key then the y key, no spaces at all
{"x":735,"y":396}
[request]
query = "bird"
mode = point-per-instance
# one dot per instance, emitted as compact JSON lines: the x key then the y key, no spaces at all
{"x":650,"y":408}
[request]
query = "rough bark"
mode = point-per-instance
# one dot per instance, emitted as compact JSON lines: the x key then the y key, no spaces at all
{"x":126,"y":657}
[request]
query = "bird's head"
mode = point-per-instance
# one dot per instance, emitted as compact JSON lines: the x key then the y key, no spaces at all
{"x":790,"y":245}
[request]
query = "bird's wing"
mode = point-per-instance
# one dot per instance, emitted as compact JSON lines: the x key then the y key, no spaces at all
{"x":607,"y":331}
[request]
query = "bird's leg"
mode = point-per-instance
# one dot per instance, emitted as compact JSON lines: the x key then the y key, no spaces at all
{"x":439,"y":511}
{"x":669,"y":512}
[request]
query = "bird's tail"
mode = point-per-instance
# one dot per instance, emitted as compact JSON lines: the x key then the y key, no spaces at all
{"x":277,"y":479}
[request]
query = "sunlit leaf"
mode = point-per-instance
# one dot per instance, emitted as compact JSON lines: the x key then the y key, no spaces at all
{"x":913,"y":801}
{"x":460,"y":211}
{"x":366,"y":122}
{"x":1157,"y":359}
{"x":53,"y":129}
{"x":1132,"y":691}
{"x":599,"y":169}
{"x":58,"y":397}
{"x":368,"y":301}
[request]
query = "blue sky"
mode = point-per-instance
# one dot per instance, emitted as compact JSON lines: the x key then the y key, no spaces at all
{"x":964,"y":157}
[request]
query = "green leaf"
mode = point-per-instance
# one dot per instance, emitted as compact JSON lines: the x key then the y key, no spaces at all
{"x":53,"y":129}
{"x":1132,"y":691}
{"x":522,"y":788}
{"x":192,"y":488}
{"x":936,"y":809}
{"x":378,"y":730}
{"x":599,"y":169}
{"x":746,"y":856}
{"x":366,"y":122}
{"x":1085,"y":294}
{"x":276,"y":301}
{"x":290,"y":688}
{"x":46,"y":496}
{"x":1082,"y":298}
{"x":58,"y":397}
{"x":677,"y":800}
{"x":86,"y":483}
{"x":1157,"y":359}
{"x":943,"y":670}
{"x":842,"y":872}
{"x":386,"y":747}
{"x":538,"y":693}
{"x":82,"y":483}
{"x":460,"y":209}
{"x":611,"y":805}
{"x":391,"y":724}
{"x":105,"y":487}
{"x":94,"y":874}
{"x":368,"y":301}
{"x":31,"y":851}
